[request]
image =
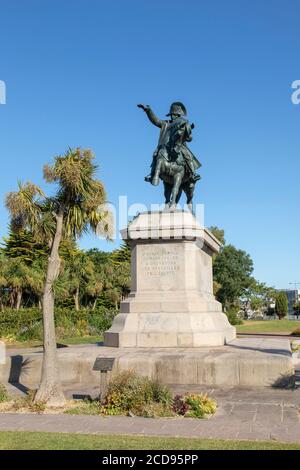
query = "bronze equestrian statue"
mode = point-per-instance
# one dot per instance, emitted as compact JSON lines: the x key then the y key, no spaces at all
{"x":173,"y":162}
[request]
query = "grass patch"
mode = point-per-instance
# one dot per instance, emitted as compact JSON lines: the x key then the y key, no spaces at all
{"x":268,"y":326}
{"x":59,"y":441}
{"x":65,"y":341}
{"x":3,"y":394}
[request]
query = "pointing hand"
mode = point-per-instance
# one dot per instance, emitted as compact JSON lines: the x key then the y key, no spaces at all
{"x":143,"y":106}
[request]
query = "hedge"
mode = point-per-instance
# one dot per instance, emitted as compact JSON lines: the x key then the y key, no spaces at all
{"x":26,"y":323}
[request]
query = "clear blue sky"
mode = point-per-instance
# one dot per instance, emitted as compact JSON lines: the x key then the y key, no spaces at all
{"x":75,"y":70}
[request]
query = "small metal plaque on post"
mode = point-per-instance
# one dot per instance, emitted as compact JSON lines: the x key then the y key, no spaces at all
{"x":103,"y":365}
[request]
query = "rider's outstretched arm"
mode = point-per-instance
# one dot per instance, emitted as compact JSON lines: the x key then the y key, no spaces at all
{"x":152,"y":117}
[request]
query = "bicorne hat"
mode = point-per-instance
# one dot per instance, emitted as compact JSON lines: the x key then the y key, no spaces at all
{"x":177,"y":108}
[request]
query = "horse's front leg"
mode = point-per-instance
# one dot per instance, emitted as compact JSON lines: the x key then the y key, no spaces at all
{"x":167,"y":192}
{"x":176,"y":187}
{"x":189,"y":191}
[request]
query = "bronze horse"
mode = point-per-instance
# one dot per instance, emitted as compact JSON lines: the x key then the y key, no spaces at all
{"x":176,"y":180}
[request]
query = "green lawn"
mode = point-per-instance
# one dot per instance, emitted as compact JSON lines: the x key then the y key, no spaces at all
{"x":65,"y":341}
{"x":55,"y":441}
{"x":268,"y":326}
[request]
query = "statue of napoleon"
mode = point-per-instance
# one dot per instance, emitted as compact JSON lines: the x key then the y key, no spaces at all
{"x":173,"y":162}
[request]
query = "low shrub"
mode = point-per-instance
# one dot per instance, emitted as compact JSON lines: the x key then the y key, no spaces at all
{"x":295,"y":347}
{"x":200,"y":406}
{"x":296,"y":332}
{"x":180,"y":406}
{"x":131,"y":394}
{"x":192,"y":405}
{"x":157,"y":410}
{"x":233,"y":318}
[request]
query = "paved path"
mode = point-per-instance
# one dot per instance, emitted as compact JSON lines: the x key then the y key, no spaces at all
{"x":242,"y":414}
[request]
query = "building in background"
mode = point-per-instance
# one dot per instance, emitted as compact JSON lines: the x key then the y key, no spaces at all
{"x":293,"y":296}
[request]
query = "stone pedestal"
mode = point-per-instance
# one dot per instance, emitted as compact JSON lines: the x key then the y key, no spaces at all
{"x":171,"y":304}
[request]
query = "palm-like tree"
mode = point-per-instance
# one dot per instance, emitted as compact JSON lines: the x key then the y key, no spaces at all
{"x":76,"y":208}
{"x":3,"y":280}
{"x":25,"y":260}
{"x":94,"y":287}
{"x":80,"y":270}
{"x":19,"y":277}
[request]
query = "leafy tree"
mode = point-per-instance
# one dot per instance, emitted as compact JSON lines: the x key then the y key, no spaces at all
{"x":281,"y":305}
{"x":297,"y":309}
{"x":98,"y":257}
{"x":94,"y":286}
{"x":258,"y":297}
{"x":232,"y":270}
{"x":75,"y":208}
{"x":80,"y":274}
{"x":218,"y":233}
{"x":113,"y":272}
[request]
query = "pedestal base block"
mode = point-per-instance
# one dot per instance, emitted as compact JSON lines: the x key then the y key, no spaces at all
{"x":169,"y":330}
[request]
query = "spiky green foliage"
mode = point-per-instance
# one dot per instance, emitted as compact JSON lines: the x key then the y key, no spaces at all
{"x":122,"y":254}
{"x":25,"y":207}
{"x":81,"y":196}
{"x":22,"y":245}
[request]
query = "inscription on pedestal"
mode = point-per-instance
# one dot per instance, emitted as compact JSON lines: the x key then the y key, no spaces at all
{"x":159,"y":262}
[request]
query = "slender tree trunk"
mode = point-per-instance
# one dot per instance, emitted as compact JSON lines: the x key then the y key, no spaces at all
{"x":18,"y":298}
{"x":50,"y":390}
{"x":76,"y":299}
{"x":95,"y":303}
{"x":12,"y":298}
